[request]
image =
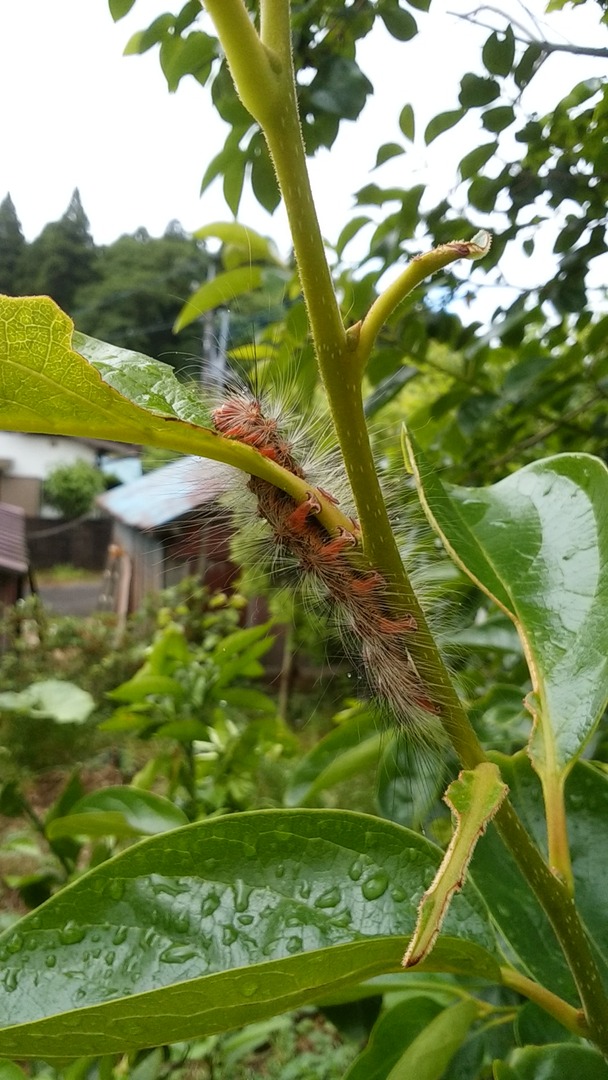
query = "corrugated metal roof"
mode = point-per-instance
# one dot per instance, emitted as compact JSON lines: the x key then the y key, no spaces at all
{"x":166,"y":494}
{"x":13,"y":550}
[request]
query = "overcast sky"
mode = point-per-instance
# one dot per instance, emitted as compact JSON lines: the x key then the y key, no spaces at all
{"x":78,"y":113}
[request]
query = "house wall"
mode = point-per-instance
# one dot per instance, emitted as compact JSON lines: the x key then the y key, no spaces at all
{"x":26,"y":460}
{"x":34,"y":456}
{"x":21,"y":491}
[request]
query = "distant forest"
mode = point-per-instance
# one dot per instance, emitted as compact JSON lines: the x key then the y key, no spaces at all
{"x":128,"y":292}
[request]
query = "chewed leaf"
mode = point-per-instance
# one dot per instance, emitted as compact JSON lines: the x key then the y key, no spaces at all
{"x":537,"y":543}
{"x":56,"y":382}
{"x":473,"y":799}
{"x":221,"y":923}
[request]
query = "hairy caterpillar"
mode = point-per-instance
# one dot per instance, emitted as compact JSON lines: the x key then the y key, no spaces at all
{"x":361,"y":595}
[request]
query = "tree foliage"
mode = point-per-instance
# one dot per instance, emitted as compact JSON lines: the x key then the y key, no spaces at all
{"x":71,"y":489}
{"x":62,"y":259}
{"x":130,"y":291}
{"x":535,"y":380}
{"x":12,"y":244}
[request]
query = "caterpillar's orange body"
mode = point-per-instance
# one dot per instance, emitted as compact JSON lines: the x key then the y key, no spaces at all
{"x":360,"y":594}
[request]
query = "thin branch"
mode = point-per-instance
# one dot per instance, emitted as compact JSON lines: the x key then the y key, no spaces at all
{"x":544,"y":46}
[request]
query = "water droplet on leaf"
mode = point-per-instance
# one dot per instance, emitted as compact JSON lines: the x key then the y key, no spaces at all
{"x":355,"y":870}
{"x":177,"y":954}
{"x":375,"y":886}
{"x":229,"y":935}
{"x":210,"y":904}
{"x":71,"y":933}
{"x":330,"y":898}
{"x":15,"y":944}
{"x":242,"y":892}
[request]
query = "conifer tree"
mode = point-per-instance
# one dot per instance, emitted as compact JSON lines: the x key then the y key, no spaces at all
{"x":63,"y":258}
{"x":12,"y":247}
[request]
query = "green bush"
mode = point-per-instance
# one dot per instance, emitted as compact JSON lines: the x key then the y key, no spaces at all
{"x":72,"y":489}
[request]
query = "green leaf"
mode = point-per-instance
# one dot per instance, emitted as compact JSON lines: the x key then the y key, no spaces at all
{"x":400,"y":23}
{"x":219,"y":924}
{"x":430,"y":1053}
{"x":350,"y":748}
{"x":120,"y":8}
{"x":537,"y":543}
{"x":234,"y":179}
{"x":263,"y":179}
{"x":407,"y":122}
{"x":528,"y":65}
{"x":144,"y":685}
{"x":498,"y":119}
{"x":239,"y":641}
{"x":475,"y":160}
{"x":339,"y":88}
{"x":515,"y":910}
{"x":51,"y":699}
{"x":10,"y":1071}
{"x":386,"y":152}
{"x":140,"y":379}
{"x":394,"y":1030}
{"x":221,"y":290}
{"x":255,"y":247}
{"x":156,"y":32}
{"x":556,"y":1062}
{"x":49,"y":387}
{"x":476,"y":91}
{"x":473,"y":799}
{"x":249,"y":699}
{"x":442,"y":122}
{"x":499,"y":51}
{"x":350,"y":230}
{"x":483,"y":193}
{"x":190,"y":55}
{"x":120,"y":812}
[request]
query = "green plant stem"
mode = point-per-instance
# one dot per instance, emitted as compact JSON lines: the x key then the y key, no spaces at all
{"x":553,"y":782}
{"x":559,"y":907}
{"x":565,"y":1014}
{"x":340,"y":358}
{"x":414,"y":273}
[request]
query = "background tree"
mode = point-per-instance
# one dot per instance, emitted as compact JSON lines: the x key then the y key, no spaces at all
{"x":62,"y":259}
{"x":140,"y":286}
{"x":12,"y":246}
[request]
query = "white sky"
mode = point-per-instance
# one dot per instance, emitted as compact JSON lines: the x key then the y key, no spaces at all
{"x":77,"y":113}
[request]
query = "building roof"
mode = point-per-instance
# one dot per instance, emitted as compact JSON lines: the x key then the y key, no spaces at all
{"x":161,"y":496}
{"x":13,"y":550}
